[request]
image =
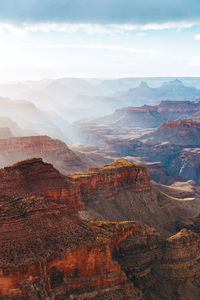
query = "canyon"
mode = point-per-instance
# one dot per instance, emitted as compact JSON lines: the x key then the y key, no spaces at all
{"x":97,"y":220}
{"x":170,"y":152}
{"x":49,"y":221}
{"x":51,"y":150}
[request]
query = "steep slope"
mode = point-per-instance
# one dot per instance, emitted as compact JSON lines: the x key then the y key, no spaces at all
{"x":39,"y":258}
{"x":122,"y":191}
{"x":187,"y":164}
{"x":51,"y":150}
{"x":163,"y":269}
{"x":148,"y":116}
{"x":133,"y":122}
{"x":156,"y":170}
{"x":48,"y":252}
{"x":178,"y":132}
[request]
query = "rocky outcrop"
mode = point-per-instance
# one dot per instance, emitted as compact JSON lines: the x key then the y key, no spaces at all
{"x":146,"y":116}
{"x":164,"y":152}
{"x":115,"y":175}
{"x":52,"y":151}
{"x":122,"y":191}
{"x":179,"y":132}
{"x":156,"y":170}
{"x":182,"y":124}
{"x":48,"y":252}
{"x":167,"y":147}
{"x":35,"y":178}
{"x":186,"y":164}
{"x":162,"y":269}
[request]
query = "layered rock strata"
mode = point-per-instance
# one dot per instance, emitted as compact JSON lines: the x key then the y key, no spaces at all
{"x":163,"y":269}
{"x":48,"y":252}
{"x":51,"y":150}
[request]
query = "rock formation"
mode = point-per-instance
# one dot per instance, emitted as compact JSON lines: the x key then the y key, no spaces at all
{"x":146,"y":116}
{"x":51,"y":150}
{"x":178,"y":132}
{"x":48,"y":252}
{"x":162,"y":269}
{"x":122,"y":191}
{"x":186,"y":164}
{"x":42,"y":241}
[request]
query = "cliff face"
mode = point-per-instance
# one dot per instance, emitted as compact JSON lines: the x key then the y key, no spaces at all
{"x":177,"y":148}
{"x":162,"y":269}
{"x":178,"y":132}
{"x":187,"y":164}
{"x":122,"y":191}
{"x":115,"y":175}
{"x":51,"y":150}
{"x":182,"y":124}
{"x":35,"y":178}
{"x":146,"y":116}
{"x":48,"y":252}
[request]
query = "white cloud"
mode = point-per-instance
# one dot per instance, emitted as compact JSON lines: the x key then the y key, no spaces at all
{"x":104,"y":47}
{"x":23,"y":28}
{"x":141,"y":34}
{"x":197,"y":37}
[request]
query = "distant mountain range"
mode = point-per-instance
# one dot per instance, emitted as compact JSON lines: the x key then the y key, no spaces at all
{"x":149,"y":116}
{"x":85,"y":98}
{"x":179,"y":132}
{"x":172,"y":90}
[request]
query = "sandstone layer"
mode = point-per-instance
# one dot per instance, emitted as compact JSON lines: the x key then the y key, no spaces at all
{"x":178,"y":132}
{"x":48,"y":252}
{"x":51,"y":150}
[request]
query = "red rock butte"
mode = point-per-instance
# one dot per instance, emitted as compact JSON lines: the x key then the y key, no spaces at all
{"x":187,"y":123}
{"x":48,"y":252}
{"x":42,"y":241}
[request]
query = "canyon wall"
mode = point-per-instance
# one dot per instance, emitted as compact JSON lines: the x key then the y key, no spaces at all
{"x":48,"y":252}
{"x":50,"y":150}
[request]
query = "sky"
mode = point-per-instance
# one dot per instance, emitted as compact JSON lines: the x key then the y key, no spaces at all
{"x":98,"y":38}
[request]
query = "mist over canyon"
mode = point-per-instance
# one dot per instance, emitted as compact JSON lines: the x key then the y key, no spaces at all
{"x":99,"y":189}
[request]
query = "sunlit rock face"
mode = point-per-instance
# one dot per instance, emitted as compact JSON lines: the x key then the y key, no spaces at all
{"x":122,"y":191}
{"x":48,"y":252}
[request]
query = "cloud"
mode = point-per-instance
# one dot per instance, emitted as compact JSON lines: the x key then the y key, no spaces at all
{"x":88,"y":28}
{"x":197,"y":37}
{"x":141,"y":34}
{"x":140,"y":12}
{"x":104,"y":47}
